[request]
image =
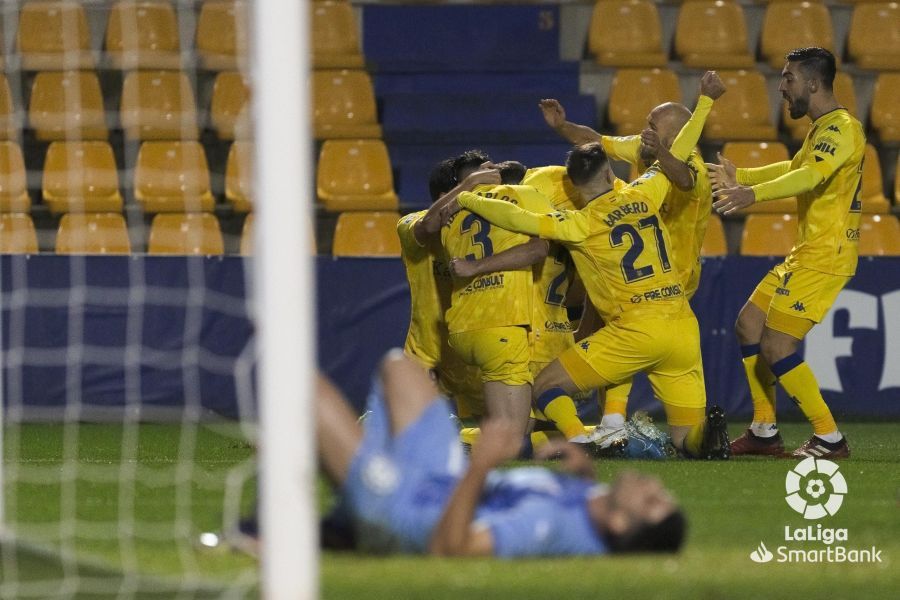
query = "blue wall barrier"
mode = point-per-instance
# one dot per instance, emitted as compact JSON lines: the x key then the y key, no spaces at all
{"x":196,"y":341}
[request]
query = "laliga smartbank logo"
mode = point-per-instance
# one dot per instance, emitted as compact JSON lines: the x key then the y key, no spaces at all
{"x":815,"y":488}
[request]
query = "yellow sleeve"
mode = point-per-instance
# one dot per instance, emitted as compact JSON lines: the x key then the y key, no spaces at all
{"x":405,"y":227}
{"x":690,"y":134}
{"x":565,"y":225}
{"x":795,"y":182}
{"x":653,"y":185}
{"x":627,"y":148}
{"x":831,"y":148}
{"x":752,"y":176}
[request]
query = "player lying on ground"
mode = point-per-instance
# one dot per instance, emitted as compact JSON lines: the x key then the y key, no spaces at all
{"x":620,"y":248}
{"x":685,"y":212}
{"x":795,"y":295}
{"x":409,"y":488}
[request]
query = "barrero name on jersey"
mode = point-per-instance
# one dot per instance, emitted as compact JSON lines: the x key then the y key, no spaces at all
{"x":620,"y":213}
{"x":494,"y":280}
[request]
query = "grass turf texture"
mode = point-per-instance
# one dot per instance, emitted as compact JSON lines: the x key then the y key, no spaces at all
{"x":732,"y":507}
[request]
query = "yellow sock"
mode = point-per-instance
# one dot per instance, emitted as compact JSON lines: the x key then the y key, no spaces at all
{"x":470,"y":435}
{"x":762,"y":384}
{"x":693,"y":441}
{"x":560,"y":408}
{"x":617,"y":399}
{"x":539,"y":439}
{"x":800,"y":383}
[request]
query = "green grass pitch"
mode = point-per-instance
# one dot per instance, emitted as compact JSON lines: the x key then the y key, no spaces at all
{"x":732,"y":507}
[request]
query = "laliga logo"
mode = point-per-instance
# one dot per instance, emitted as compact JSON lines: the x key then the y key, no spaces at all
{"x":812,"y":501}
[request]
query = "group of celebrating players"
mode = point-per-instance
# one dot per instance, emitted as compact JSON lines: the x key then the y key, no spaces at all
{"x":490,"y":269}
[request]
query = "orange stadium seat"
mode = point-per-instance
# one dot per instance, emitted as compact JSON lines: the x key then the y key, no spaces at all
{"x":879,"y":235}
{"x":872,"y":191}
{"x":335,"y":36}
{"x":885,"y":115}
{"x":635,"y":92}
{"x":10,"y":118}
{"x":17,"y":234}
{"x":230,"y":106}
{"x":143,"y":35}
{"x":626,"y":33}
{"x":222,"y":33}
{"x":355,"y":175}
{"x":238,"y":185}
{"x":759,"y":154}
{"x":95,"y":233}
{"x":712,"y":34}
{"x":843,"y":91}
{"x":874,"y":38}
{"x":158,"y":105}
{"x":13,"y":181}
{"x":247,"y":236}
{"x":81,"y":177}
{"x":67,"y":105}
{"x":743,"y":112}
{"x":768,"y":235}
{"x":172,"y":177}
{"x":180,"y":233}
{"x":714,"y":243}
{"x":366,"y":234}
{"x":794,"y":24}
{"x":344,"y":105}
{"x":54,"y":35}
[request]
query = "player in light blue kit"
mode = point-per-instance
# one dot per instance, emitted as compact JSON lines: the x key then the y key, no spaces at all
{"x":410,"y":488}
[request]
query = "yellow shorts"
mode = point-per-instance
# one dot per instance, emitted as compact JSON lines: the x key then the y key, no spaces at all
{"x":462,"y":384}
{"x":794,"y":299}
{"x":667,"y":350}
{"x":502,"y":353}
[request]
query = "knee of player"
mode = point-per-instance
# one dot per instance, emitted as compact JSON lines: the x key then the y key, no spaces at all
{"x":774,"y":346}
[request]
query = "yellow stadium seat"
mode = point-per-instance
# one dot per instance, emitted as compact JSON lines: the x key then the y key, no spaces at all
{"x":872,"y":191}
{"x":769,"y":235}
{"x":366,"y":234}
{"x":222,"y":32}
{"x":10,"y":119}
{"x":180,"y":233}
{"x":158,"y":105}
{"x":714,"y":243}
{"x":712,"y":34}
{"x":53,"y":36}
{"x":897,"y":181}
{"x":335,"y":36}
{"x":230,"y":106}
{"x":885,"y":115}
{"x":743,"y":112}
{"x":344,"y":105}
{"x":626,"y":33}
{"x":635,"y":92}
{"x":95,"y":233}
{"x":238,"y":185}
{"x":172,"y":177}
{"x":67,"y":105}
{"x":17,"y":234}
{"x":874,"y":38}
{"x":247,"y":236}
{"x":355,"y":175}
{"x":843,"y":91}
{"x":143,"y":35}
{"x":879,"y":235}
{"x":794,"y":24}
{"x":759,"y":154}
{"x":13,"y":181}
{"x":81,"y":177}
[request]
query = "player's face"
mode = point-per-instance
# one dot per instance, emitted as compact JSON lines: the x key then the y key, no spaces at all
{"x":794,"y":88}
{"x":654,"y":121}
{"x":637,"y":499}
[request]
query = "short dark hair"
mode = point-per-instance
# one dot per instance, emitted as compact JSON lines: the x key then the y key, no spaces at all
{"x":470,"y":159}
{"x":511,"y":172}
{"x":442,"y":179}
{"x":815,"y":61}
{"x":585,"y":161}
{"x":665,"y":536}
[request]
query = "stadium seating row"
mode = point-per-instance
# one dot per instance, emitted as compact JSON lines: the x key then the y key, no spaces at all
{"x":712,"y":34}
{"x":55,"y":35}
{"x":82,"y":177}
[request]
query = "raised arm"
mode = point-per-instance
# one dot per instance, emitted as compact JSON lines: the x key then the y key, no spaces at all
{"x":430,"y":224}
{"x":564,"y":225}
{"x":523,"y":255}
{"x":555,"y":115}
{"x":679,"y":173}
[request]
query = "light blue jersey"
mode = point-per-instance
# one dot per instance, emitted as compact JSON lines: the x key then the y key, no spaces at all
{"x":398,"y":488}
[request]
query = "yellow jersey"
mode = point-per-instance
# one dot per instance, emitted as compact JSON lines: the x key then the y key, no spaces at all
{"x":685,"y":212}
{"x":554,"y":184}
{"x":829,"y":213}
{"x":430,"y":288}
{"x":498,"y":299}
